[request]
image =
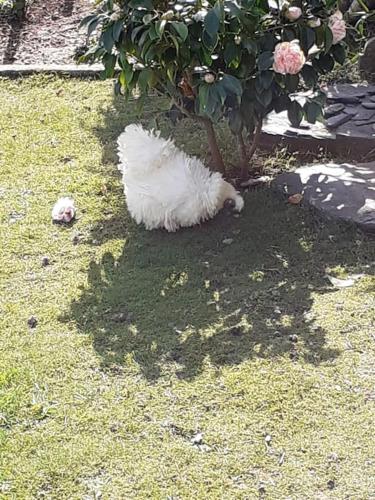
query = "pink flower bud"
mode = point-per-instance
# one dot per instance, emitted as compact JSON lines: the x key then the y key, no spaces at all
{"x":293,"y":13}
{"x":209,"y":78}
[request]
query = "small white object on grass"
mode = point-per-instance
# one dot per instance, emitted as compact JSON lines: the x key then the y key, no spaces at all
{"x":64,"y":210}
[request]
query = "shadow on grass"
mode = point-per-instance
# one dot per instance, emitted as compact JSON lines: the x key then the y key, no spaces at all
{"x":175,"y":301}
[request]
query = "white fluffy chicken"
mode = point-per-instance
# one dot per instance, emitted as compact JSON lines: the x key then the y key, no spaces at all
{"x":164,"y":187}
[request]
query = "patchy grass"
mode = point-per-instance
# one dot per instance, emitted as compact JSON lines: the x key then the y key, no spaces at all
{"x":145,"y":340}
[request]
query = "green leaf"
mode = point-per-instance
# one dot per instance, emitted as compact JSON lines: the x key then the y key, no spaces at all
{"x":109,"y":61}
{"x":307,"y":38}
{"x":319,"y":35}
{"x":117,"y":29}
{"x":160,"y":27}
{"x":265,"y":98}
{"x":282,"y":103}
{"x":295,"y":113}
{"x":232,"y":85}
{"x":235,"y":121}
{"x":288,"y":34}
{"x":312,"y":111}
{"x":266,"y":79}
{"x":232,"y":55}
{"x":210,"y":41}
{"x":181,"y":29}
{"x":87,"y":20}
{"x":328,"y":39}
{"x":171,"y":73}
{"x":135,"y":32}
{"x":265,"y":60}
{"x":309,"y":75}
{"x":250,"y":45}
{"x":291,"y":82}
{"x":147,"y":18}
{"x":144,"y":79}
{"x":91,"y":27}
{"x":212,"y":22}
{"x":107,"y":39}
{"x":339,"y":53}
{"x":326,"y":63}
{"x":203,"y":97}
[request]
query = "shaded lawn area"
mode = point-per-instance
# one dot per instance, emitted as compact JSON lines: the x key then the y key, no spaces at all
{"x":146,"y":339}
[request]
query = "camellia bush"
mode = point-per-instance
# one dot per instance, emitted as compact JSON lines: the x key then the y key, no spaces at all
{"x":236,"y":60}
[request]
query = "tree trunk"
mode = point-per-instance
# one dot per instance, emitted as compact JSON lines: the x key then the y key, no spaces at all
{"x":244,"y":164}
{"x":217,"y":159}
{"x":256,"y":138}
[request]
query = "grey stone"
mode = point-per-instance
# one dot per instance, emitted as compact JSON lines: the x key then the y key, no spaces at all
{"x":336,"y":121}
{"x":333,"y":109}
{"x":364,"y":114}
{"x":346,"y":99}
{"x":340,"y":191}
{"x":67,"y":69}
{"x":368,"y":105}
{"x":346,"y":90}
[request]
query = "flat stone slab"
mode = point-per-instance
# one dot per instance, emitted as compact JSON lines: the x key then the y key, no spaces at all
{"x":340,"y":191}
{"x":69,"y":69}
{"x":348,"y":128}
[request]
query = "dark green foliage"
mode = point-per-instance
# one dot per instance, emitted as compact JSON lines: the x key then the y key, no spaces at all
{"x":220,"y":56}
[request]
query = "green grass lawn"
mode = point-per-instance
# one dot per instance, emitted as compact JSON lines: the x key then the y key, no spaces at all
{"x":146,"y":339}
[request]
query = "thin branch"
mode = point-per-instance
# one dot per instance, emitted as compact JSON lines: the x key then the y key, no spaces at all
{"x":256,"y":138}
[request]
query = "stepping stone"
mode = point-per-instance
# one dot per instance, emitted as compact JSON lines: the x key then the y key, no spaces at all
{"x":343,"y":90}
{"x":368,"y":105}
{"x":333,"y":109}
{"x":346,"y":99}
{"x":340,"y":191}
{"x":336,"y":121}
{"x":364,"y":114}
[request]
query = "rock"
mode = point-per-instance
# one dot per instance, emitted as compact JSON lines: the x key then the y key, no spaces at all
{"x":367,"y":61}
{"x":336,"y":121}
{"x":346,"y":99}
{"x":45,"y":261}
{"x":346,"y":91}
{"x":340,"y":191}
{"x":32,"y":322}
{"x":364,"y":114}
{"x":228,"y":241}
{"x":197,"y":439}
{"x":76,"y":239}
{"x":120,"y":317}
{"x":331,"y":484}
{"x":351,"y":110}
{"x":333,"y":109}
{"x":368,"y":105}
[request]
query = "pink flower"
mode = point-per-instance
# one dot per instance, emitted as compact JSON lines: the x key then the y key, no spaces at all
{"x":288,"y":58}
{"x":293,"y":13}
{"x":64,"y":210}
{"x":337,"y":26}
